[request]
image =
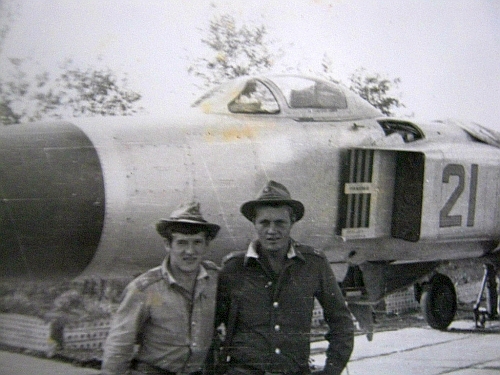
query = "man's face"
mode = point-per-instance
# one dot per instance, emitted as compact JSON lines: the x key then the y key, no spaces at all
{"x":187,"y":251}
{"x":273,"y":226}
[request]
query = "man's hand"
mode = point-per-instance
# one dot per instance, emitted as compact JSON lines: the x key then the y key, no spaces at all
{"x":221,"y":332}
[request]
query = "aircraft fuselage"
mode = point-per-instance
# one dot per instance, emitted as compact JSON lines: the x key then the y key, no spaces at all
{"x":84,"y":196}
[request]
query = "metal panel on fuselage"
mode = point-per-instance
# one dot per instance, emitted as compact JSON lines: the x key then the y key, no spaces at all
{"x":461,"y":193}
{"x":151,"y":167}
{"x":431,"y":212}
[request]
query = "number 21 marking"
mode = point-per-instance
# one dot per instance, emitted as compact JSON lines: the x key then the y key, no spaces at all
{"x":447,"y":220}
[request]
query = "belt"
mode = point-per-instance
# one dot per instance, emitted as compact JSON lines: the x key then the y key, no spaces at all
{"x":148,"y":369}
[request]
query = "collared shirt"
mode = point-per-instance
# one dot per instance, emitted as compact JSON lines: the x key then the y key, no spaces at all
{"x":252,"y":251}
{"x":173,"y":328}
{"x":274,"y":312}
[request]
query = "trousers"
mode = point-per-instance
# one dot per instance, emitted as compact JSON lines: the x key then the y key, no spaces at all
{"x":143,"y":368}
{"x":247,"y":370}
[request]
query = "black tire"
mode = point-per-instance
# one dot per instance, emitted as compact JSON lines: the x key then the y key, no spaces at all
{"x":439,"y":302}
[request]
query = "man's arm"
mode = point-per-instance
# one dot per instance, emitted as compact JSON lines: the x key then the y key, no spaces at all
{"x":119,"y":346}
{"x":227,"y":282}
{"x":223,"y":300}
{"x":339,"y":320}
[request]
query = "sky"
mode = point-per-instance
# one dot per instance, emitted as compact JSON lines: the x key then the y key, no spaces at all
{"x":446,"y":52}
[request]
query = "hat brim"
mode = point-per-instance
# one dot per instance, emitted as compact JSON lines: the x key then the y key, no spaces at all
{"x":163,"y":225}
{"x":248,"y":208}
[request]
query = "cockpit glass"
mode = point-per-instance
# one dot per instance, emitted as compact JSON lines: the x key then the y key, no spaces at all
{"x":307,"y":93}
{"x":298,"y":97}
{"x":254,"y":98}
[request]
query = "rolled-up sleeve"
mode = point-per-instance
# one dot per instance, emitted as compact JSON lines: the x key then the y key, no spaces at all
{"x":127,"y":322}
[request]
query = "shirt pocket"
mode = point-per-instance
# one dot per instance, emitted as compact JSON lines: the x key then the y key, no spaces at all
{"x":170,"y":317}
{"x":254,"y":301}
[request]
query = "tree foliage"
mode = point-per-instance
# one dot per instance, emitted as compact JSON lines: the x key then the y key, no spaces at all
{"x":376,"y":90}
{"x":8,"y":12}
{"x":245,"y":50}
{"x":327,"y":68}
{"x":71,"y":92}
{"x":233,"y":51}
{"x":372,"y":87}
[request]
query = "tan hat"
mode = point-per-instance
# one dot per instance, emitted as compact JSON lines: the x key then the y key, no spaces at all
{"x":187,"y":214}
{"x":273,"y":194}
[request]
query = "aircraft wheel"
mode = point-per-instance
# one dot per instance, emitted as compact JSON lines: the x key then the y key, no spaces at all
{"x":439,"y":302}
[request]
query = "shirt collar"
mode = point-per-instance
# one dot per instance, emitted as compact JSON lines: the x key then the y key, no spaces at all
{"x":167,"y":275}
{"x":253,"y":254}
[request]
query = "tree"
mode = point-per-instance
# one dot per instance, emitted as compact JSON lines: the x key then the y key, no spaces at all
{"x":326,"y":69}
{"x":8,"y":11}
{"x":233,"y":51}
{"x":242,"y":51}
{"x":73,"y":92}
{"x":375,"y":89}
{"x":372,"y":87}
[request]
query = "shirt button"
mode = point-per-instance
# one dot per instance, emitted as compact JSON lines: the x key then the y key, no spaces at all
{"x":276,"y":305}
{"x":277,"y":327}
{"x":277,"y":351}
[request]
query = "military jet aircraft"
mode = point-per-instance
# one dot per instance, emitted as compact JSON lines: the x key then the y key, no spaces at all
{"x":387,"y":199}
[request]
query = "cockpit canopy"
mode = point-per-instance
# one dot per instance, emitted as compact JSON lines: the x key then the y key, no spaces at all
{"x":298,"y":97}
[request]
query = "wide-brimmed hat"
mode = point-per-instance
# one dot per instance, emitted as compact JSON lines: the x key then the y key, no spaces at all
{"x":187,"y":214}
{"x":273,"y":194}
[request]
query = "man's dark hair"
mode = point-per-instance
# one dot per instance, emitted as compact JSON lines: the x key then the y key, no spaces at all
{"x":184,"y":229}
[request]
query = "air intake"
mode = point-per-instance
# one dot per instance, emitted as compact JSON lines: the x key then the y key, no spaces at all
{"x":358,"y":188}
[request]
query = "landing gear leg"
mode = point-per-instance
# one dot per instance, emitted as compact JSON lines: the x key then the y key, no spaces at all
{"x":490,"y":284}
{"x":492,"y":300}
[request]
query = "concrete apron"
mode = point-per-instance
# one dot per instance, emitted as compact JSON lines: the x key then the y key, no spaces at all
{"x":462,"y":349}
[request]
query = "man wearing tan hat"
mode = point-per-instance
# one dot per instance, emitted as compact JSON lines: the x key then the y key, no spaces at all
{"x":266,"y":296}
{"x":167,"y":313}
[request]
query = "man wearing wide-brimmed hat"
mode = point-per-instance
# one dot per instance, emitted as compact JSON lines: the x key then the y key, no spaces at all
{"x":169,"y":310}
{"x":266,"y":295}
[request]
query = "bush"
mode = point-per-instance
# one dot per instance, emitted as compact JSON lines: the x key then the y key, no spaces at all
{"x":62,"y":300}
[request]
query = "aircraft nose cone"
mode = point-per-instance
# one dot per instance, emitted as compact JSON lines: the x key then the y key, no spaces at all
{"x":51,"y":200}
